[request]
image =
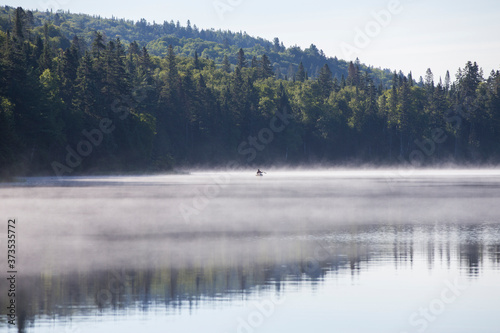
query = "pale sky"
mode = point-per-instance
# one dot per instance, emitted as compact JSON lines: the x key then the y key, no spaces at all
{"x":407,"y":35}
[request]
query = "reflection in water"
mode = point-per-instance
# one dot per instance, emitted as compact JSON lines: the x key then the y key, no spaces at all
{"x":313,"y":259}
{"x":344,"y":249}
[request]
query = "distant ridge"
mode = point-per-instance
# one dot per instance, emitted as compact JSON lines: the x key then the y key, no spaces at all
{"x":188,"y":39}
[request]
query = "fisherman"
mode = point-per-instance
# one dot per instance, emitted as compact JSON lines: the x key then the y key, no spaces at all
{"x":259,"y":173}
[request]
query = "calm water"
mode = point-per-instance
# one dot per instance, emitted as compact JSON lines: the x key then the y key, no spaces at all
{"x":316,"y":251}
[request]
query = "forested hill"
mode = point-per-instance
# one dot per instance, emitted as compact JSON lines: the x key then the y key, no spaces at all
{"x":188,"y":39}
{"x":93,"y":104}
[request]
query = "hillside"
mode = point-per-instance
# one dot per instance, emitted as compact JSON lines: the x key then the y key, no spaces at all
{"x":92,"y":103}
{"x":188,"y":39}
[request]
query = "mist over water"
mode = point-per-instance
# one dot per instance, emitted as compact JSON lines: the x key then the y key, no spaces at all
{"x":172,"y":249}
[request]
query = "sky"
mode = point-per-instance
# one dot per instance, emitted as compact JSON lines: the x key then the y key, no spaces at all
{"x":406,"y":35}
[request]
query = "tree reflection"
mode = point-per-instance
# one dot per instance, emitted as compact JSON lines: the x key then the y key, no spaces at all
{"x":184,"y":287}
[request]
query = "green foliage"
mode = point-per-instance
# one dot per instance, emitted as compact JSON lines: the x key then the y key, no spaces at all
{"x":186,"y":40}
{"x":107,"y":103}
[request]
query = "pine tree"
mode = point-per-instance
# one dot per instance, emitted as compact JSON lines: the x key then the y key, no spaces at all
{"x":266,"y":69}
{"x":173,"y":75}
{"x":242,"y":62}
{"x":410,"y":79}
{"x":38,"y":47}
{"x":276,"y":44}
{"x":86,"y":87}
{"x":429,"y":79}
{"x":134,"y":48}
{"x":447,"y":81}
{"x":79,"y":46}
{"x":68,"y":73}
{"x":46,"y":57}
{"x":343,"y":82}
{"x":145,"y":59}
{"x":19,"y":24}
{"x":196,"y":60}
{"x":98,"y":45}
{"x":226,"y":66}
{"x":352,"y":75}
{"x":255,"y":62}
{"x":468,"y":79}
{"x":325,"y":81}
{"x":301,"y":73}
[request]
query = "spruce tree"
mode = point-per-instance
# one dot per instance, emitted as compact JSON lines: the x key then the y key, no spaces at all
{"x":325,"y":81}
{"x":46,"y":57}
{"x":242,"y":62}
{"x":196,"y":60}
{"x":276,"y":44}
{"x":447,"y":81}
{"x":98,"y":45}
{"x":266,"y":69}
{"x":226,"y":66}
{"x":429,"y":79}
{"x":19,"y":24}
{"x":301,"y":73}
{"x":352,"y":75}
{"x":255,"y":62}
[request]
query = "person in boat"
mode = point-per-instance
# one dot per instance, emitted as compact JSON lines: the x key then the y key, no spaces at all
{"x":259,"y":173}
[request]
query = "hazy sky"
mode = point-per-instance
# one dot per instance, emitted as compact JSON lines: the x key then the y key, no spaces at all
{"x":407,"y":35}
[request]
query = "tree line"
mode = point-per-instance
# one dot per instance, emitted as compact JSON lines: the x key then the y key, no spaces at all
{"x":107,"y":106}
{"x":186,"y":41}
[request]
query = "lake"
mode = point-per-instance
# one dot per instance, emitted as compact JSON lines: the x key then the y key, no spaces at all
{"x":294,"y":251}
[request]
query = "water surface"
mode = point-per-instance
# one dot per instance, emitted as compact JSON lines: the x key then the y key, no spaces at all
{"x":293,"y":251}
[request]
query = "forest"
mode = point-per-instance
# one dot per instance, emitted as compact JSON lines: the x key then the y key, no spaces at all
{"x":75,"y":100}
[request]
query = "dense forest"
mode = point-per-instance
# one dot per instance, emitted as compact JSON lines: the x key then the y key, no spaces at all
{"x":186,"y":41}
{"x":73,"y":101}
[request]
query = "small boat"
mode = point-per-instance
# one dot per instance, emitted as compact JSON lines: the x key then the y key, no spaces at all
{"x":259,"y":175}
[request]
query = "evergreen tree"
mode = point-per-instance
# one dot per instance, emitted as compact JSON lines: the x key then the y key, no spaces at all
{"x":429,"y":79}
{"x":19,"y":24}
{"x":255,"y":62}
{"x":86,"y":86}
{"x":196,"y":60}
{"x":180,"y":109}
{"x":242,"y":62}
{"x":68,"y":73}
{"x":226,"y":66}
{"x":46,"y":57}
{"x":447,"y":81}
{"x":301,"y":74}
{"x":266,"y":69}
{"x":325,"y":81}
{"x":352,"y":75}
{"x":343,"y":82}
{"x":133,"y":48}
{"x":276,"y":45}
{"x":410,"y":79}
{"x":98,"y":45}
